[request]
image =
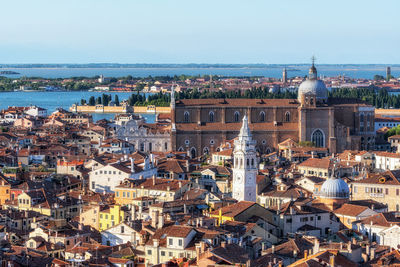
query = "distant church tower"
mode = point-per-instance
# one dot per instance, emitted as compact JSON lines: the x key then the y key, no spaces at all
{"x":284,"y":75}
{"x":388,"y":73}
{"x":245,"y":165}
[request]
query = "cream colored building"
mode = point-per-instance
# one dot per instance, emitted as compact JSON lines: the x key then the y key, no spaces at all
{"x":381,"y":187}
{"x":175,"y":241}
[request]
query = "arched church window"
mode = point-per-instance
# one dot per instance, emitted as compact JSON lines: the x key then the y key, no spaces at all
{"x":240,"y":163}
{"x":248,"y":162}
{"x":206,"y":151}
{"x":252,"y":162}
{"x":236,"y":162}
{"x":262,"y":116}
{"x":361,"y":117}
{"x":193,"y":153}
{"x":142,"y":147}
{"x":237,"y":115}
{"x":211,"y":116}
{"x":186,"y":116}
{"x":318,"y":138}
{"x":287,"y":116}
{"x":150,"y":146}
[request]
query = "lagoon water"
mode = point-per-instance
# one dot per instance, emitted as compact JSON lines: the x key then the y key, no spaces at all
{"x":274,"y":71}
{"x":53,"y":100}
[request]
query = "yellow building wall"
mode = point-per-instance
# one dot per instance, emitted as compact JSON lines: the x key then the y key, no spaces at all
{"x":124,"y":196}
{"x":111,"y":218}
{"x":4,"y":193}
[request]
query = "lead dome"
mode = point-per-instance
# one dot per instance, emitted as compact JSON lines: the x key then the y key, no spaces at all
{"x":335,"y":188}
{"x":313,"y":86}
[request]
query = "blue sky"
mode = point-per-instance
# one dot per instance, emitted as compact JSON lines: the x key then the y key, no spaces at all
{"x":218,"y":31}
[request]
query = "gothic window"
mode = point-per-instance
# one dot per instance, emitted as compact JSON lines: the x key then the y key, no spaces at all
{"x":361,"y":117}
{"x":252,"y":162}
{"x":211,"y":116}
{"x":262,"y":116}
{"x":206,"y":151}
{"x":248,"y":162}
{"x":318,"y":138}
{"x":186,"y":116}
{"x":241,"y":163}
{"x":150,"y":146}
{"x":180,"y":149}
{"x":166,"y":146}
{"x":236,"y":162}
{"x":142,"y":147}
{"x":193,"y":153}
{"x":287,"y":116}
{"x":237,"y":115}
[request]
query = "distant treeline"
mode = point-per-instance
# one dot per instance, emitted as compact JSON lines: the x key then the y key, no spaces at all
{"x":250,"y":93}
{"x":379,"y":98}
{"x":136,"y":99}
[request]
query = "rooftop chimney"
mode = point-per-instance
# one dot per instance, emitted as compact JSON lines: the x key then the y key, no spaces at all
{"x":332,"y":260}
{"x":132,"y":166}
{"x":372,"y":254}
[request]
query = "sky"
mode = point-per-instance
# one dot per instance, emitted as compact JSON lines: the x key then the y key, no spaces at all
{"x":187,"y":31}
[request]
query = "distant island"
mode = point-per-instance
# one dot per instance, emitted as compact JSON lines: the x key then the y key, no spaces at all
{"x":8,"y":72}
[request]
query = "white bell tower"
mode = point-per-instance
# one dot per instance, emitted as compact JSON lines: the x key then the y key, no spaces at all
{"x":245,"y":165}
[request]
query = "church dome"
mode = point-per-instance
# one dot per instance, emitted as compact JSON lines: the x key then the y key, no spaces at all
{"x":313,"y":86}
{"x":335,"y":188}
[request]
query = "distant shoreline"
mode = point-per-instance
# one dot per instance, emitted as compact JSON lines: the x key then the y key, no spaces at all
{"x":155,"y":66}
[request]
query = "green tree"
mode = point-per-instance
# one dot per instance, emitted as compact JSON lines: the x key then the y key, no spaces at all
{"x":116,"y":99}
{"x":92,"y":101}
{"x":98,"y":101}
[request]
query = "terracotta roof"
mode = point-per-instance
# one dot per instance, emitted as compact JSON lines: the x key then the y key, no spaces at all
{"x":387,"y":178}
{"x":234,"y":209}
{"x":226,"y":152}
{"x":387,"y":154}
{"x":157,"y":184}
{"x":231,"y":253}
{"x":350,"y":210}
{"x":324,"y":163}
{"x":385,"y":219}
{"x":118,"y":260}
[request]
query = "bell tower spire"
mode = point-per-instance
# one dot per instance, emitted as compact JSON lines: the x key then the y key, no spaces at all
{"x":245,"y":165}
